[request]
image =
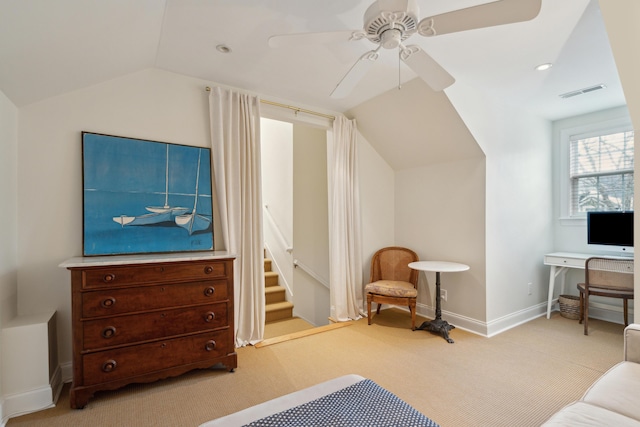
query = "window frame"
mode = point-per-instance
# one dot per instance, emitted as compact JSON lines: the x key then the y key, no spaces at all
{"x":621,"y":124}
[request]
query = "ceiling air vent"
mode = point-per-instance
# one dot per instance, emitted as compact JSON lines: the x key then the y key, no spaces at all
{"x":582,"y":91}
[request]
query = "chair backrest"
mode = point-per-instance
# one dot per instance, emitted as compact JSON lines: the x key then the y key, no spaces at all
{"x":609,"y":273}
{"x":392,"y":264}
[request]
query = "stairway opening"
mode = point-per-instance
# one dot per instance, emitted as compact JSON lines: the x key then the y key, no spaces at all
{"x":295,"y":197}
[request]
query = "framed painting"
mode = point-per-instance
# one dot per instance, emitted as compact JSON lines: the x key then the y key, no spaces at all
{"x":143,"y":197}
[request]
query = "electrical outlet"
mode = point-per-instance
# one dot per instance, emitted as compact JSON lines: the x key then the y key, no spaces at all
{"x":529,"y":285}
{"x":443,"y":294}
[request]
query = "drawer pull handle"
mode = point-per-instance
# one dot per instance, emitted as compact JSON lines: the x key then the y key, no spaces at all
{"x":108,"y":302}
{"x":108,"y":278}
{"x":108,"y":332}
{"x":210,"y":345}
{"x":208,"y":269}
{"x":210,"y":316}
{"x":209,"y":291}
{"x":109,"y":366}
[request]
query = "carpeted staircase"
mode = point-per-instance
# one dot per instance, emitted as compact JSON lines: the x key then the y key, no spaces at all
{"x":276,"y":305}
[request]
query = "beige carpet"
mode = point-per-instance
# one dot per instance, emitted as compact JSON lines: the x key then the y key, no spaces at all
{"x":518,"y":378}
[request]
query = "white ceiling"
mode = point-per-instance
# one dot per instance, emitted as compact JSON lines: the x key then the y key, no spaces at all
{"x":52,"y":47}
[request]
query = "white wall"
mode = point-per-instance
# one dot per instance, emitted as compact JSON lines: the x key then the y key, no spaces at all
{"x":311,"y":224}
{"x":519,"y":226}
{"x":377,"y":203}
{"x":440,"y":214}
{"x":8,"y":216}
{"x":150,"y":104}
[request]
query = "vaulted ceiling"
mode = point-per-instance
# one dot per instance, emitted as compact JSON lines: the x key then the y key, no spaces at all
{"x":48,"y":48}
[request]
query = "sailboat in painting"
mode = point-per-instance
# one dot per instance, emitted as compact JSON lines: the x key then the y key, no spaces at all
{"x":193,"y":222}
{"x":157,"y":214}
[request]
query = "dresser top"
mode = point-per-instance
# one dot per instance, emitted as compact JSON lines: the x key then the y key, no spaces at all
{"x":97,"y":261}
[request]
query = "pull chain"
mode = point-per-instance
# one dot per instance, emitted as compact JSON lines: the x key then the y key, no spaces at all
{"x":399,"y":65}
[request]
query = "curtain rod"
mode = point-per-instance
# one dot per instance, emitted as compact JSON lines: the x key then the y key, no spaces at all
{"x":290,"y":107}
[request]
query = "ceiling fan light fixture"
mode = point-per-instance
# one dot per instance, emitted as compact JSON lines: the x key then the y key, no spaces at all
{"x":391,"y":39}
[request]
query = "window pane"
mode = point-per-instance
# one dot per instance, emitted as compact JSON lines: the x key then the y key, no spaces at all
{"x":603,"y":193}
{"x":602,"y":154}
{"x":601,"y":173}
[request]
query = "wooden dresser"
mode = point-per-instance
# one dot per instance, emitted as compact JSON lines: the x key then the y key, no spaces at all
{"x":143,"y":318}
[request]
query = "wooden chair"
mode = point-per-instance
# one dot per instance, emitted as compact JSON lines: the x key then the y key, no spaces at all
{"x":392,"y":281}
{"x":606,"y":277}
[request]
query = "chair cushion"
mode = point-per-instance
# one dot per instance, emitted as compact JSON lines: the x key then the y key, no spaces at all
{"x":392,"y":288}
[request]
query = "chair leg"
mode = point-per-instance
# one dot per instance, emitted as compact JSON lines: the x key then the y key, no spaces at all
{"x":412,"y":309}
{"x":581,"y":307}
{"x":626,"y":312}
{"x":378,"y":309}
{"x":586,"y":313}
{"x":369,"y":298}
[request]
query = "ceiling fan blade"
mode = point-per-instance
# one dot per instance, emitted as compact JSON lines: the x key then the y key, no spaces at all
{"x":355,"y":74}
{"x":485,"y":15}
{"x":304,"y":39}
{"x":426,"y":67}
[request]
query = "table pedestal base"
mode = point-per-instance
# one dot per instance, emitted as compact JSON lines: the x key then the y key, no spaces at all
{"x":440,"y":326}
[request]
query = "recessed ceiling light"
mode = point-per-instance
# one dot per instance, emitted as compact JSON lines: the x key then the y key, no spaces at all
{"x":544,"y":67}
{"x":223,"y":48}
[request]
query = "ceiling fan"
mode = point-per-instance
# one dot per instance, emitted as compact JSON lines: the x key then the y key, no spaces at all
{"x":388,"y":23}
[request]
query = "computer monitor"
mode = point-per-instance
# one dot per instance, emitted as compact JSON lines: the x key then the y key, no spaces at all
{"x":610,"y":231}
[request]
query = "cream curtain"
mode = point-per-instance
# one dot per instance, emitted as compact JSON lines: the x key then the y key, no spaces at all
{"x":345,"y":240}
{"x":235,"y":142}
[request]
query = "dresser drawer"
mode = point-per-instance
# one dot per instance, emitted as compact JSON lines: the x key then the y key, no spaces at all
{"x":128,"y":300}
{"x":116,"y":364}
{"x":152,"y":273}
{"x":117,"y":330}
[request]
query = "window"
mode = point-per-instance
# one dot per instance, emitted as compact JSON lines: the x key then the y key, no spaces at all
{"x":601,"y":172}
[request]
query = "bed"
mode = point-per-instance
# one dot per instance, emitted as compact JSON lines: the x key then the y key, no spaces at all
{"x":347,"y":401}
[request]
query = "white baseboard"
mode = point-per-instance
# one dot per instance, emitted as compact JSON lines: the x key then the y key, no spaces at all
{"x":517,"y":318}
{"x":66,"y":370}
{"x":489,"y":329}
{"x":25,"y":403}
{"x":34,"y":400}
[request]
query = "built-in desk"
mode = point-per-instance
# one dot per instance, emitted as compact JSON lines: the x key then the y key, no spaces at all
{"x":560,"y":263}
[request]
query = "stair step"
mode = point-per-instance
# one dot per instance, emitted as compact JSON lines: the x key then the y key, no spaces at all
{"x":274,"y":294}
{"x":270,"y":278}
{"x":278,"y":311}
{"x":267,"y":264}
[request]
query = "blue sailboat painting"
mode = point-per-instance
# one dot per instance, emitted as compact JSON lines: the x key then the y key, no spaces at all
{"x":145,"y":196}
{"x":194,"y":222}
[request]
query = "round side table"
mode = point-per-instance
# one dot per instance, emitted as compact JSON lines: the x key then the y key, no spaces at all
{"x":438,"y":325}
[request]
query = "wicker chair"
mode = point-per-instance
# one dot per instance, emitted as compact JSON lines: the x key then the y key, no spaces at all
{"x":606,"y":277}
{"x":392,"y":281}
